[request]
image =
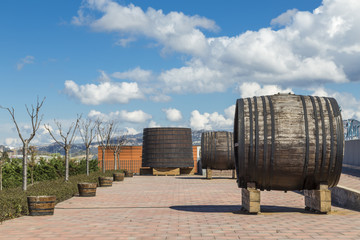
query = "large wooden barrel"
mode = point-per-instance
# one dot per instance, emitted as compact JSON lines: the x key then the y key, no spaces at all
{"x":41,"y":205}
{"x":288,"y":142}
{"x":167,"y":148}
{"x":217,"y":150}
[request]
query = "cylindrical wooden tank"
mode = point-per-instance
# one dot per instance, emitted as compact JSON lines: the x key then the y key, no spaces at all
{"x":217,"y":150}
{"x":167,"y":148}
{"x":288,"y":142}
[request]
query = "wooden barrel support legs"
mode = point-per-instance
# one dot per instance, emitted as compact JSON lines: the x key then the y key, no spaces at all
{"x":318,"y":200}
{"x":233,"y":174}
{"x":250,"y":197}
{"x":208,"y":173}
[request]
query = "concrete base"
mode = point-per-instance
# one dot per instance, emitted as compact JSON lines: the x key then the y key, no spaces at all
{"x":318,"y":200}
{"x":208,"y":173}
{"x":250,"y":199}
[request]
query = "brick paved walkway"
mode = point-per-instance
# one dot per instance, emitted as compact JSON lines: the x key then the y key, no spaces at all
{"x":146,"y":207}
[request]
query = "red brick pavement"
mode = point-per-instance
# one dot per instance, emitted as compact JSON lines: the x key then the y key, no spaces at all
{"x":147,"y":207}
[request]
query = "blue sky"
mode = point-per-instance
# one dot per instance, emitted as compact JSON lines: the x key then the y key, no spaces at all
{"x":171,"y":63}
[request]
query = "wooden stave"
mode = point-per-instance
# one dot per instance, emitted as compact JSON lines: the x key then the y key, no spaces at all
{"x":254,"y":172}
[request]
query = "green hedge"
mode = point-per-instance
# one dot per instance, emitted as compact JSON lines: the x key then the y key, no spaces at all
{"x":43,"y":170}
{"x":13,"y":201}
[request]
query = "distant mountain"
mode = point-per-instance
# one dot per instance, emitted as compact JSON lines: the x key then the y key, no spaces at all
{"x":131,"y":140}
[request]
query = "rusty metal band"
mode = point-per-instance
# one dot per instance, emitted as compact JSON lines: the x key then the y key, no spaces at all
{"x":339,"y":140}
{"x":323,"y":155}
{"x":272,"y":153}
{"x":316,"y":134}
{"x":331,"y":136}
{"x":306,"y":163}
{"x":265,"y":143}
{"x":256,"y":113}
{"x":251,"y":166}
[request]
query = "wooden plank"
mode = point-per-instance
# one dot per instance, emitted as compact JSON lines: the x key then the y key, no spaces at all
{"x":166,"y":171}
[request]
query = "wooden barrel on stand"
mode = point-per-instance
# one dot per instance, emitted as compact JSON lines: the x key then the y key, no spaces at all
{"x":217,"y":150}
{"x":167,"y":148}
{"x":288,"y":142}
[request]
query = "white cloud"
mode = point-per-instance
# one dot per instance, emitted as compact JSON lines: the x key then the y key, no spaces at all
{"x":136,"y":74}
{"x":251,"y":89}
{"x":25,"y":60}
{"x":104,"y":92}
{"x":173,"y":114}
{"x":350,"y":106}
{"x":284,"y":19}
{"x":174,"y":30}
{"x":13,"y":142}
{"x":131,"y":131}
{"x":160,"y":98}
{"x":153,"y":124}
{"x":212,"y":121}
{"x":309,"y":47}
{"x":137,"y":116}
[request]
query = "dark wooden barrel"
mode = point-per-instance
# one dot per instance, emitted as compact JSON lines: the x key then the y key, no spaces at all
{"x":118,"y":177}
{"x":41,"y":205}
{"x":167,"y":148}
{"x":288,"y":142}
{"x":105,"y":181}
{"x":217,"y":150}
{"x":87,"y":189}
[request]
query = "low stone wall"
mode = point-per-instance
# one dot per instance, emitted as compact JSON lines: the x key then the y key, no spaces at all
{"x":352,"y":152}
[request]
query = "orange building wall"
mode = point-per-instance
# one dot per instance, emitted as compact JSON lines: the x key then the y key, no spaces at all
{"x":130,"y":158}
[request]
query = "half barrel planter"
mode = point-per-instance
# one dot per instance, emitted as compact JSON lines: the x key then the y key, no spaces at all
{"x":118,"y":177}
{"x":41,"y":205}
{"x":105,"y":181}
{"x":87,"y":189}
{"x":129,"y":174}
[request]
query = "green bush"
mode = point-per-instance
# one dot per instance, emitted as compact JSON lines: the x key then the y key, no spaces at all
{"x":44,"y":170}
{"x":13,"y":202}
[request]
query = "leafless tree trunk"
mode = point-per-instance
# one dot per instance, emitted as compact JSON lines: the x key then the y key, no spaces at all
{"x":104,"y":132}
{"x":87,"y":132}
{"x":66,"y":142}
{"x":35,"y":124}
{"x":117,"y":147}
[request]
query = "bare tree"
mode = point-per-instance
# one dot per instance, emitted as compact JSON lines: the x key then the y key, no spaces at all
{"x":104,"y":133}
{"x":87,"y":133}
{"x":120,"y":140}
{"x":67,"y":140}
{"x":35,"y":124}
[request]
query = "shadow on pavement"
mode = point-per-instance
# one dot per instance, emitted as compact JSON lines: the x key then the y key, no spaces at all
{"x":236,"y":209}
{"x":351,"y":170}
